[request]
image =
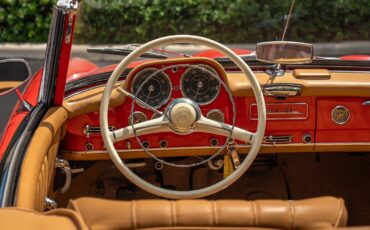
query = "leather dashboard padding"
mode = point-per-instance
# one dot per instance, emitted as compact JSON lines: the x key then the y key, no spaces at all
{"x":59,"y":219}
{"x":342,"y":84}
{"x":89,"y":101}
{"x":351,"y":84}
{"x":38,"y":164}
{"x":313,"y":74}
{"x":322,"y":212}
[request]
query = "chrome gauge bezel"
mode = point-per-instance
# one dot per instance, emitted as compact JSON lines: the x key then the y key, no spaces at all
{"x":155,"y":71}
{"x":216,"y":111}
{"x":135,"y":113}
{"x":210,"y":71}
{"x":345,"y":109}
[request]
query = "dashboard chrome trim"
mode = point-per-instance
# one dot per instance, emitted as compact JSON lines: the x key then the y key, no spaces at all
{"x":282,"y":113}
{"x":240,"y":146}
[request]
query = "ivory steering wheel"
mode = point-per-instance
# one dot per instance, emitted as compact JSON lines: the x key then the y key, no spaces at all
{"x":182,"y":116}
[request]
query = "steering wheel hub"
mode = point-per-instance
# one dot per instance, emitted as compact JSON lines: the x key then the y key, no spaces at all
{"x":183,"y":114}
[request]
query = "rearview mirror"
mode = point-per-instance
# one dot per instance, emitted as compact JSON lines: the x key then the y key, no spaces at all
{"x":284,"y":52}
{"x":13,"y":72}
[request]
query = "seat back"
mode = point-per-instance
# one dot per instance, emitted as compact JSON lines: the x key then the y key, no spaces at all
{"x":323,"y":212}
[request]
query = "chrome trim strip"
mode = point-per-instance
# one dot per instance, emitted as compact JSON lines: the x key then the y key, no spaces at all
{"x":281,"y":119}
{"x":366,"y":103}
{"x":275,"y":140}
{"x":282,"y":90}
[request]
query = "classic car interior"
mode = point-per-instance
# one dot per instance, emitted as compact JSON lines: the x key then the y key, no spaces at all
{"x":314,"y":149}
{"x":274,"y":138}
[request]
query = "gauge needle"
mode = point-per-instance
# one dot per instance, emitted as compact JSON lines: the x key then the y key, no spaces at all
{"x":150,"y":89}
{"x":199,"y":86}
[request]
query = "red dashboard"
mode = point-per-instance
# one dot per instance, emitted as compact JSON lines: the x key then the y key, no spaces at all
{"x":294,"y":124}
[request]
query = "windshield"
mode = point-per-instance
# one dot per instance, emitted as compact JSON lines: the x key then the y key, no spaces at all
{"x":337,"y":28}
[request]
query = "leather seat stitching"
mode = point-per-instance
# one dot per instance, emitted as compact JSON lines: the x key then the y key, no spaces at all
{"x":292,"y":214}
{"x":340,"y":213}
{"x":254,"y":213}
{"x":214,"y":211}
{"x":133,"y":214}
{"x":173,"y":213}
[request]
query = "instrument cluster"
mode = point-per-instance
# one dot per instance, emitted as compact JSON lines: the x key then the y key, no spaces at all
{"x":155,"y":87}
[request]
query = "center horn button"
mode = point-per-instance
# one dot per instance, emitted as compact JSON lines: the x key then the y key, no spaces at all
{"x":183,"y":114}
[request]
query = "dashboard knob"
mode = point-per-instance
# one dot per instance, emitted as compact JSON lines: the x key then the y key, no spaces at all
{"x":146,"y":144}
{"x":307,"y":138}
{"x":163,"y":144}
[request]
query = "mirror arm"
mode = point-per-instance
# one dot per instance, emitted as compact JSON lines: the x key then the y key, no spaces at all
{"x":25,"y":104}
{"x":275,"y":71}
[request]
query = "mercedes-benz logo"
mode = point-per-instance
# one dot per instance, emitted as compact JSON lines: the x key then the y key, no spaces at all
{"x":183,"y":117}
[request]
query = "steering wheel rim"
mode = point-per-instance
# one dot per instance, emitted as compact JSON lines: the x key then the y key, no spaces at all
{"x":192,"y":194}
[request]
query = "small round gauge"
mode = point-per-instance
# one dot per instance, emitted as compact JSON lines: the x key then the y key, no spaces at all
{"x":137,"y":117}
{"x":216,"y":115}
{"x":199,"y":85}
{"x":155,"y":91}
{"x":340,"y":115}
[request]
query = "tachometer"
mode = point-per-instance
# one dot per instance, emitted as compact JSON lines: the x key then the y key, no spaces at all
{"x":200,"y":85}
{"x":155,"y":91}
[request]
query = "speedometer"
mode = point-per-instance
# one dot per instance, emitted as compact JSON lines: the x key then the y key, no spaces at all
{"x":155,"y":90}
{"x":199,"y":85}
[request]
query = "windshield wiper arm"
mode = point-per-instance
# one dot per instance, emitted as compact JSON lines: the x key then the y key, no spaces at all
{"x":125,"y":52}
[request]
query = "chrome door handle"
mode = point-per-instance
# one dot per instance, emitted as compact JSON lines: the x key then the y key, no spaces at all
{"x":282,"y":90}
{"x":366,"y":103}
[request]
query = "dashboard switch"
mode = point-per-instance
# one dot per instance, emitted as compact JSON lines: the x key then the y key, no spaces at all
{"x":146,"y":144}
{"x":214,"y":142}
{"x":163,"y":144}
{"x":307,"y":138}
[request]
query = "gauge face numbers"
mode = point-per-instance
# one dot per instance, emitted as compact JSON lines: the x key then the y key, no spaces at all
{"x":155,"y":90}
{"x":200,"y":86}
{"x":340,"y":115}
{"x":136,"y":117}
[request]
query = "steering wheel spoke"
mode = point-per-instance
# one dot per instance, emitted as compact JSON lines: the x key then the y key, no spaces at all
{"x":140,"y":102}
{"x":157,"y":125}
{"x":214,"y":127}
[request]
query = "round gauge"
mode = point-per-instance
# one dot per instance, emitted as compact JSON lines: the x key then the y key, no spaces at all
{"x":216,"y":115}
{"x":136,"y":117}
{"x":155,"y":91}
{"x":340,"y":115}
{"x":199,"y":85}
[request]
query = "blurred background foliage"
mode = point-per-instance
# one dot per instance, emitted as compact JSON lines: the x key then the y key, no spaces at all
{"x":25,"y":20}
{"x":229,"y":21}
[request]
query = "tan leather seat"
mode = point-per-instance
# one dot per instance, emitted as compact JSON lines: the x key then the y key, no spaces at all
{"x":318,"y":213}
{"x":59,"y":219}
